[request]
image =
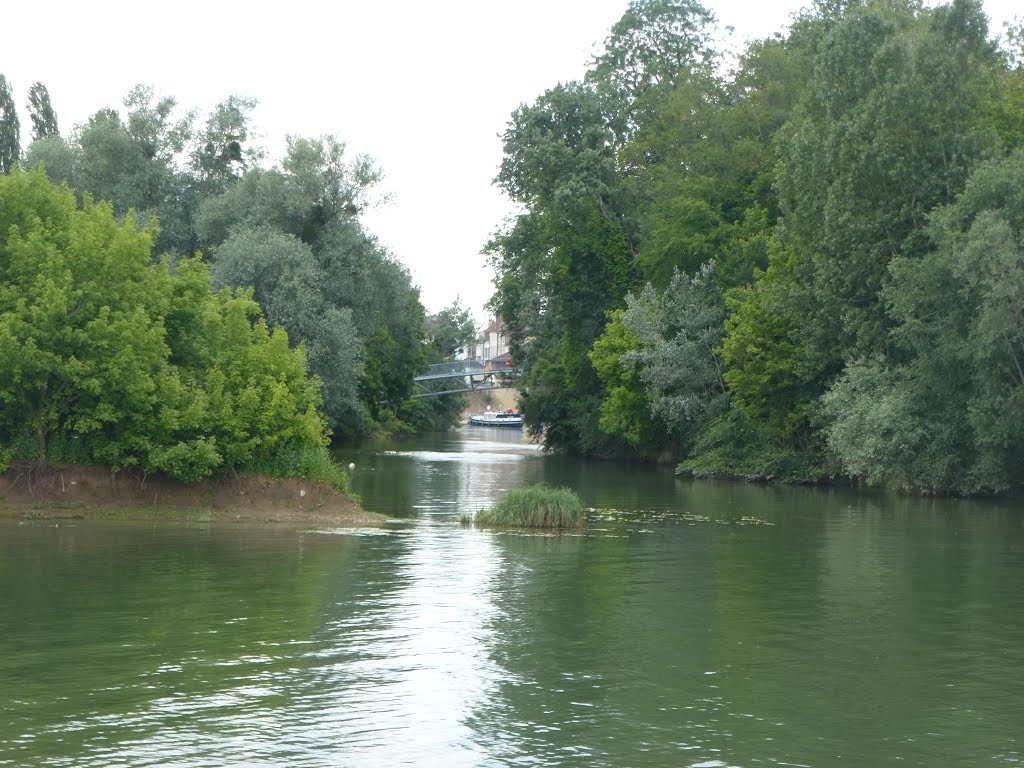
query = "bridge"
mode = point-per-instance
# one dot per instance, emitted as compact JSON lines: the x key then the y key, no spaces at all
{"x":476,"y":377}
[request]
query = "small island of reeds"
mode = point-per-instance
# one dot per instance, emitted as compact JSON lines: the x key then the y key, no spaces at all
{"x":535,"y":506}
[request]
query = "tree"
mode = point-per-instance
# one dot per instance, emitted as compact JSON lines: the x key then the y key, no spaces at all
{"x":10,"y":129}
{"x":287,"y":282}
{"x":44,"y":119}
{"x":241,"y":397}
{"x":111,"y":359}
{"x":563,"y":263}
{"x":450,"y":330}
{"x":626,"y":408}
{"x":953,"y":400}
{"x":679,"y":336}
{"x":651,"y":48}
{"x":891,"y":124}
{"x":293,"y":233}
{"x":59,"y":157}
{"x":771,"y":375}
{"x":79,"y":332}
{"x":221,"y":151}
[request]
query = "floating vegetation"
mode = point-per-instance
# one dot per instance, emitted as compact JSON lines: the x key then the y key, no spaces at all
{"x":537,"y":506}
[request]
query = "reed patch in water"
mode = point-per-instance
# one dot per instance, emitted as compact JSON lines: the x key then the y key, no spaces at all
{"x":536,"y":506}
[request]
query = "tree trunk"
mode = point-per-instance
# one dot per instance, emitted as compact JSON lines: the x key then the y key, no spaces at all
{"x":42,"y":446}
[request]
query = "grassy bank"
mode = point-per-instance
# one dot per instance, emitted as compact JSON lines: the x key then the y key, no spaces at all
{"x":537,"y":506}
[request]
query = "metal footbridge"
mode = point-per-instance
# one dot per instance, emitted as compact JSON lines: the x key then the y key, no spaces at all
{"x":439,"y":380}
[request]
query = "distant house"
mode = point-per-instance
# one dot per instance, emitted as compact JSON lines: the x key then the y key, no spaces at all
{"x":492,"y":343}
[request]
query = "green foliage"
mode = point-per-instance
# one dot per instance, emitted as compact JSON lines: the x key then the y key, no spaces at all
{"x":80,"y":329}
{"x":943,"y":416}
{"x":450,"y":331}
{"x":10,"y":128}
{"x":312,"y":462}
{"x":651,"y":48}
{"x":110,"y":359}
{"x":626,"y":408}
{"x":221,"y":151}
{"x":44,"y":119}
{"x":435,"y":414}
{"x":872,"y":313}
{"x":291,"y":233}
{"x":537,"y":506}
{"x":732,"y":445}
{"x":890,"y":125}
{"x":678,"y":356}
{"x":771,"y":375}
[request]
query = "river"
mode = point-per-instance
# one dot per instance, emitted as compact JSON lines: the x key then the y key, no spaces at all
{"x":693,"y":624}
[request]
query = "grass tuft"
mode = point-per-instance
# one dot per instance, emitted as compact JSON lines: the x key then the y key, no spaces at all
{"x":537,"y":506}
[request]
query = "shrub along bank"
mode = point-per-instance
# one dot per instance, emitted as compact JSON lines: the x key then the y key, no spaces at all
{"x":114,"y":360}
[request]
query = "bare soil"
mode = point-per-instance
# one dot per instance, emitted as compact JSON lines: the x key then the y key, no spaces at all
{"x":71,"y":491}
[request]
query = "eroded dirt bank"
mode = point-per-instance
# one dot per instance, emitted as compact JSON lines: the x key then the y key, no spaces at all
{"x":57,"y":491}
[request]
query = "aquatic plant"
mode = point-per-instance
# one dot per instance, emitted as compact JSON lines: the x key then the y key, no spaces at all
{"x":536,"y":506}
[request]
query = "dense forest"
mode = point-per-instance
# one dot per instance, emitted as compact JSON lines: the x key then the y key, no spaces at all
{"x":805,"y":263}
{"x":164,"y":290}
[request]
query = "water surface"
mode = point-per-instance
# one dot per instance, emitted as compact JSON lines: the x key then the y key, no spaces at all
{"x":694,"y":624}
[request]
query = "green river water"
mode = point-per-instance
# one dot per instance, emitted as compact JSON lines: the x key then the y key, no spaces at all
{"x":693,"y":624}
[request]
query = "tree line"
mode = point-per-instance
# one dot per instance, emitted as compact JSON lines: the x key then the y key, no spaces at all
{"x":806,"y":265}
{"x":197,"y":236}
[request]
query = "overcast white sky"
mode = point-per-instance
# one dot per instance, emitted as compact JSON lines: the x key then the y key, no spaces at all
{"x":424,"y":87}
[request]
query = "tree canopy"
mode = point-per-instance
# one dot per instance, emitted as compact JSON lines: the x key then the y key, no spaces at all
{"x":799,"y":267}
{"x":290,"y":232}
{"x":110,"y":358}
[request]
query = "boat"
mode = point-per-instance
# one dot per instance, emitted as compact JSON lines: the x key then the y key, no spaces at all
{"x":497,"y":419}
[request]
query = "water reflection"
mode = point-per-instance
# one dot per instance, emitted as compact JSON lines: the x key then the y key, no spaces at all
{"x":400,"y":674}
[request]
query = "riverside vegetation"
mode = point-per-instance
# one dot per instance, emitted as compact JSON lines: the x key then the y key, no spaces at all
{"x":803,"y":262}
{"x":112,"y":359}
{"x":169,"y":303}
{"x":288,"y":232}
{"x":536,"y":506}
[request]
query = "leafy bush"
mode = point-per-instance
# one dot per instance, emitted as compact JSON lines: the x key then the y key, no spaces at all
{"x":188,"y":462}
{"x":310,"y":462}
{"x":734,"y":446}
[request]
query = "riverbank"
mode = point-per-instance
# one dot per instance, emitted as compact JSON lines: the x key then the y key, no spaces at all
{"x":61,"y":491}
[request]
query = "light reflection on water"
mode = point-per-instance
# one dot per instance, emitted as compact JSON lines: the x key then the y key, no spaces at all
{"x":693,"y":624}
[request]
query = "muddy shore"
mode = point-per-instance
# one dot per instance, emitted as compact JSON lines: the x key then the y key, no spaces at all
{"x":62,"y":491}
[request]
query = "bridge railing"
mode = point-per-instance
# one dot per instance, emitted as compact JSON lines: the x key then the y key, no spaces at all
{"x":456,"y":366}
{"x":434,"y":381}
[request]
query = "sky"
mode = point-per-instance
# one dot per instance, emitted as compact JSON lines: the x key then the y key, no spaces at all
{"x":426,"y":88}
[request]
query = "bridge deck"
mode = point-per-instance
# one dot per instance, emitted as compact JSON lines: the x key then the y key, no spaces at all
{"x":478,"y":378}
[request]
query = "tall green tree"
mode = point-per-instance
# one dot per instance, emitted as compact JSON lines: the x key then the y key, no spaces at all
{"x":10,"y":128}
{"x":891,"y":124}
{"x":111,"y":359}
{"x":223,"y":150}
{"x":79,"y":331}
{"x":451,"y":330}
{"x":40,"y":111}
{"x":286,"y":281}
{"x":944,"y":415}
{"x":679,"y":359}
{"x":564,"y":262}
{"x":653,"y":47}
{"x":293,"y":233}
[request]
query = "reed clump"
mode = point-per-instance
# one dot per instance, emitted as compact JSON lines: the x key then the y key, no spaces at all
{"x":536,"y":506}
